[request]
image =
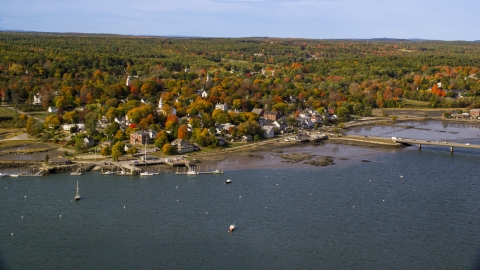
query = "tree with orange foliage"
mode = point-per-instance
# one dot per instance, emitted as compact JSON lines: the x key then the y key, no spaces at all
{"x":387,"y":94}
{"x":435,"y":89}
{"x":143,"y":124}
{"x":172,"y":120}
{"x":182,"y":132}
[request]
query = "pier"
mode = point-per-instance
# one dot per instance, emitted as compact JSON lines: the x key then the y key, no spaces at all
{"x":451,"y":146}
{"x":192,"y":170}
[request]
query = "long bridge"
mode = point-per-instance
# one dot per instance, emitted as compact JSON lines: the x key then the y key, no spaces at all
{"x":451,"y":145}
{"x":408,"y":142}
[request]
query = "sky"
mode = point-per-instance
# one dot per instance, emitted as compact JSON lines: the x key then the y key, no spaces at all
{"x":313,"y":19}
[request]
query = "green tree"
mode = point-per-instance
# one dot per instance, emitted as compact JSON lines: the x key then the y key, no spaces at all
{"x":29,"y":128}
{"x":132,"y":151}
{"x":106,"y":151}
{"x":118,"y":150}
{"x":91,"y":120}
{"x":342,"y":112}
{"x":168,"y":149}
{"x":60,"y":102}
{"x":119,"y":135}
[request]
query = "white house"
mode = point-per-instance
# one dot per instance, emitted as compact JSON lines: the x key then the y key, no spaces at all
{"x":52,"y":109}
{"x":182,"y":146}
{"x":268,"y":132}
{"x":88,"y":142}
{"x":120,"y":120}
{"x":222,"y":107}
{"x":37,"y":99}
{"x":67,"y":127}
{"x":225,"y":127}
{"x":152,"y":134}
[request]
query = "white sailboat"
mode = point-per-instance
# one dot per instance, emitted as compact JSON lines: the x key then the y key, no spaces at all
{"x":145,"y":173}
{"x":77,"y":194}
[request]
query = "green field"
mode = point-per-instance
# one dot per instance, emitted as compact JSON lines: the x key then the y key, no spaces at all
{"x":408,"y":103}
{"x":41,"y":115}
{"x":6,"y":113}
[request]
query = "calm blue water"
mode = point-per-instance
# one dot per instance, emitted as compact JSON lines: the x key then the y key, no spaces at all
{"x":353,"y":215}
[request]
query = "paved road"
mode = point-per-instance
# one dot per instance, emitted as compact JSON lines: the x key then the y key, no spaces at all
{"x":439,"y":143}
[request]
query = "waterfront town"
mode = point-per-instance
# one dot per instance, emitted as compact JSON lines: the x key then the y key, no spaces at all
{"x":60,"y":108}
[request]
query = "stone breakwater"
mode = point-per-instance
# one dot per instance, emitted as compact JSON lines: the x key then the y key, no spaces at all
{"x":5,"y":164}
{"x":67,"y":168}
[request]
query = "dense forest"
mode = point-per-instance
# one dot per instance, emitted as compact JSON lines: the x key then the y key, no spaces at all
{"x":285,"y":75}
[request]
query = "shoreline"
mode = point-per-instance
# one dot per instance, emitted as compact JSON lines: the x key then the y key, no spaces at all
{"x":272,"y":146}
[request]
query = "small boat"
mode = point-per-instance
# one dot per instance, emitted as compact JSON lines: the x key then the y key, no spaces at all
{"x":3,"y":174}
{"x":191,"y":170}
{"x":232,"y":228}
{"x":14,"y":175}
{"x":146,"y":174}
{"x":228,"y":181}
{"x":122,"y":172}
{"x":217,"y":171}
{"x":107,"y":172}
{"x":77,"y":194}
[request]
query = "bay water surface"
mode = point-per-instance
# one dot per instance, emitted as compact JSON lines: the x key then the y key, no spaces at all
{"x":403,"y":209}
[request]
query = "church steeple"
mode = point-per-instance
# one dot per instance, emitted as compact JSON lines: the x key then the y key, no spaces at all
{"x":160,"y":104}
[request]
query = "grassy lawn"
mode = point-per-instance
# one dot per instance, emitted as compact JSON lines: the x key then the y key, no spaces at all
{"x":407,"y":103}
{"x":6,"y":112}
{"x":41,"y":115}
{"x":9,"y":144}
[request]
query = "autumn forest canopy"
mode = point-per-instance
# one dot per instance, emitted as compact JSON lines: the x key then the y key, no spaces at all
{"x":284,"y":75}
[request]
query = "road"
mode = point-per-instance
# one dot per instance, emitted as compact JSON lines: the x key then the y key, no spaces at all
{"x":438,"y":143}
{"x":20,"y":112}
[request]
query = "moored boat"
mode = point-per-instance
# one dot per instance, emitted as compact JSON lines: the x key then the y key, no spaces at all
{"x":77,"y":194}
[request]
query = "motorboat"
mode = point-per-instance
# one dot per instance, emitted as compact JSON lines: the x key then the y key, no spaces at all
{"x":122,"y":172}
{"x":232,"y":228}
{"x":191,"y":170}
{"x":228,"y":181}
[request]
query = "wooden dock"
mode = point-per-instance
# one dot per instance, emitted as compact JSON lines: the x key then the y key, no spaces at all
{"x":192,"y":170}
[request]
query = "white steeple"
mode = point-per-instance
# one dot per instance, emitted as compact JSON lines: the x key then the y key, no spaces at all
{"x":160,"y":104}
